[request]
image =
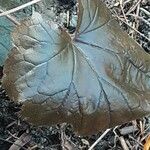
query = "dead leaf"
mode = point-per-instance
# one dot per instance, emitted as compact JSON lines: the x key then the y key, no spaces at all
{"x":147,"y":143}
{"x":96,"y":80}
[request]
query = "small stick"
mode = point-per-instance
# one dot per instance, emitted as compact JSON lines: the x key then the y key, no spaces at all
{"x":123,"y":143}
{"x":122,"y":140}
{"x":19,"y":8}
{"x":99,"y":139}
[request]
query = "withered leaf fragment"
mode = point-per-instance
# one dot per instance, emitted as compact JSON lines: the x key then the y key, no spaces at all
{"x":96,"y":80}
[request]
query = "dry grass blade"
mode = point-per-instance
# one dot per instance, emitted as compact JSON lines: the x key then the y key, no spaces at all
{"x":19,"y":8}
{"x":99,"y":139}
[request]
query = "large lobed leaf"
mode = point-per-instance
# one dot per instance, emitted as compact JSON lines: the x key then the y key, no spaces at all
{"x":98,"y":79}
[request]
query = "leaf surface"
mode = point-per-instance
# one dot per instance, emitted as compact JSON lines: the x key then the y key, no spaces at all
{"x":5,"y":39}
{"x":96,"y":80}
{"x":7,"y":26}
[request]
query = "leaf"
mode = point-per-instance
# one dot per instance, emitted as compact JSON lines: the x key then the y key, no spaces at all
{"x":5,"y":40}
{"x":96,"y":80}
